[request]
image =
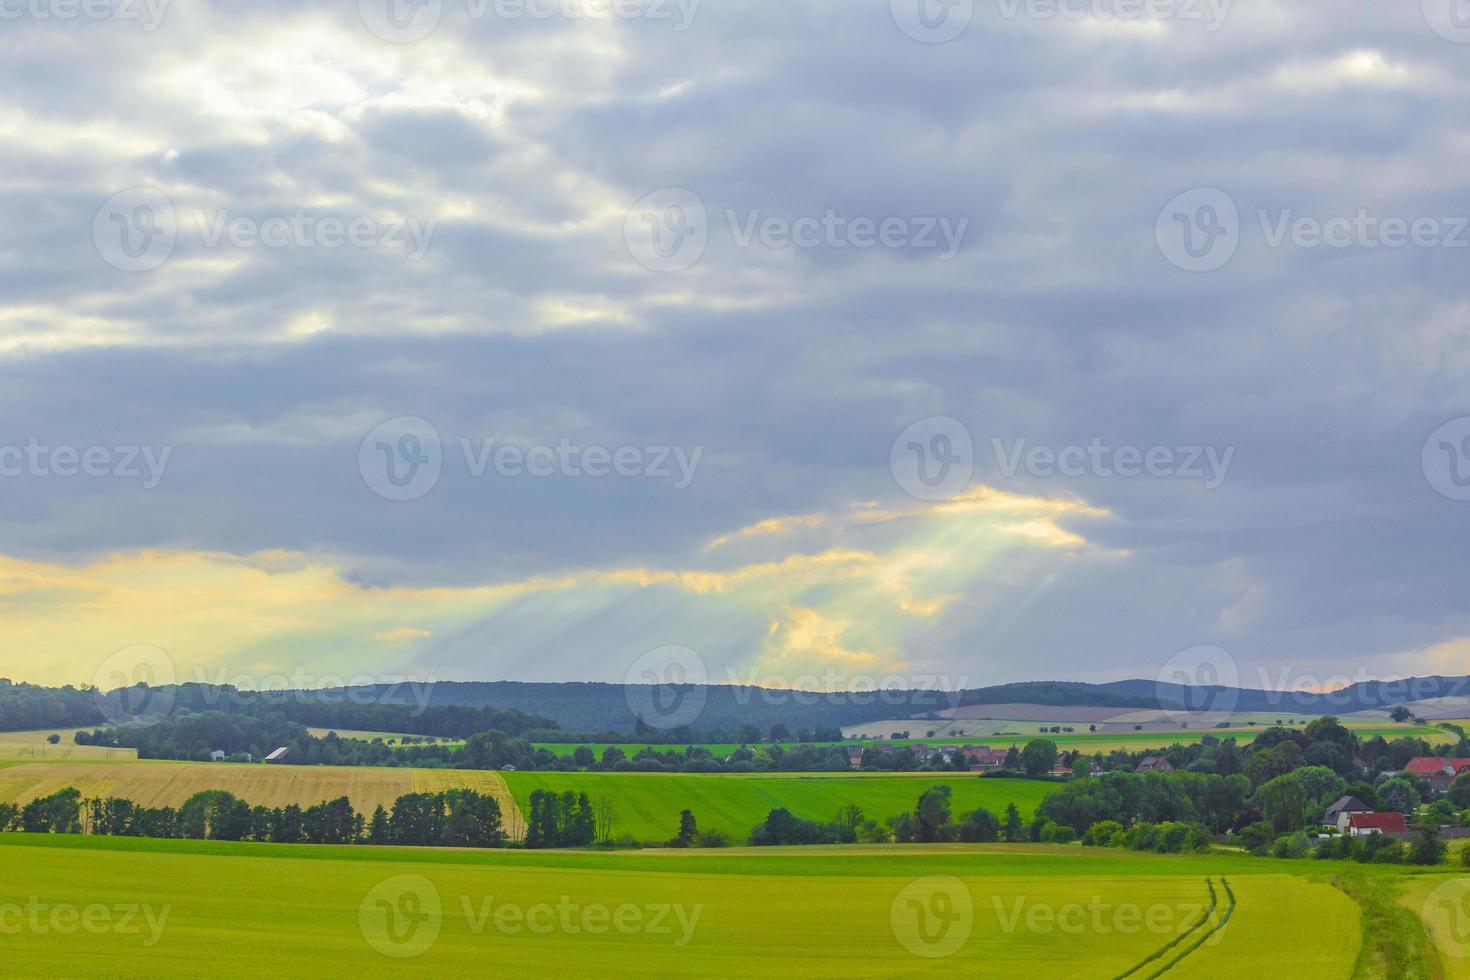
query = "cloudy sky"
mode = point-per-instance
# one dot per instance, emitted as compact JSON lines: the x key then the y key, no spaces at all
{"x":979,"y":342}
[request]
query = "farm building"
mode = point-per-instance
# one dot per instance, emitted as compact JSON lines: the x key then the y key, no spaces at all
{"x":1344,"y":804}
{"x":1154,"y":763}
{"x":855,"y":756}
{"x":1364,"y":824}
{"x":1432,"y":765}
{"x":218,"y":755}
{"x":278,"y":756}
{"x":983,"y":757}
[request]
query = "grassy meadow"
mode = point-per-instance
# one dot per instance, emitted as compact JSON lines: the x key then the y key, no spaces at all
{"x":990,"y":910}
{"x":647,"y":805}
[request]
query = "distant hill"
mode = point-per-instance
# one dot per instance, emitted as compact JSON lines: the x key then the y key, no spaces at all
{"x":579,"y":707}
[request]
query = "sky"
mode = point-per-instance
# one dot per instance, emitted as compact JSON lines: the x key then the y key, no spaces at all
{"x":823,"y":342}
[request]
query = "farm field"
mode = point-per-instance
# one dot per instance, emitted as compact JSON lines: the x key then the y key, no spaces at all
{"x":33,"y":745}
{"x":157,"y":783}
{"x":989,"y":910}
{"x":385,"y":736}
{"x":1083,"y":740}
{"x":647,"y":805}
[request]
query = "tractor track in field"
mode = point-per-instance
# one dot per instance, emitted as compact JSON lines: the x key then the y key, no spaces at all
{"x":1200,"y":938}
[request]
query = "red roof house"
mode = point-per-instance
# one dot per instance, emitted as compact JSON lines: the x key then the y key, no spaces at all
{"x":1427,"y":765}
{"x":1362,"y":824}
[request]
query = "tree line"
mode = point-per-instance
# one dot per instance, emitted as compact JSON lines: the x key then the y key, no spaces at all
{"x":450,"y":818}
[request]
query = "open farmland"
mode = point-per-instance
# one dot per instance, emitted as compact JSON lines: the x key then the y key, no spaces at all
{"x":647,"y":805}
{"x":171,"y":783}
{"x":396,"y":737}
{"x":34,"y":746}
{"x":1081,"y":740}
{"x":992,"y":910}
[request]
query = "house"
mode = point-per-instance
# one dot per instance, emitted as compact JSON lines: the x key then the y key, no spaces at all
{"x":855,"y":756}
{"x":1364,"y":824}
{"x":1430,"y":765}
{"x":1343,"y":804}
{"x":1438,"y":772}
{"x":983,"y":758}
{"x":278,"y":756}
{"x":1154,"y":763}
{"x":218,"y":755}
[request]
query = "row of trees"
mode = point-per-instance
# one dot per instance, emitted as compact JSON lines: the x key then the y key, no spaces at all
{"x":452,"y":818}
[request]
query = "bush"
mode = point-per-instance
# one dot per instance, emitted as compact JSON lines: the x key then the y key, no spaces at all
{"x":713,"y":837}
{"x":1102,"y":834}
{"x":1392,"y":852}
{"x":1057,"y":834}
{"x":1290,"y":846}
{"x":1428,"y":848}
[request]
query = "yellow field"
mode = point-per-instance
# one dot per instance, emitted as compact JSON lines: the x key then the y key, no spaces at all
{"x":171,"y":783}
{"x":33,"y":746}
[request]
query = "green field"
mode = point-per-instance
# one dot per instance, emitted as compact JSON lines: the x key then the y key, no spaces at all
{"x":647,"y":805}
{"x":989,"y":910}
